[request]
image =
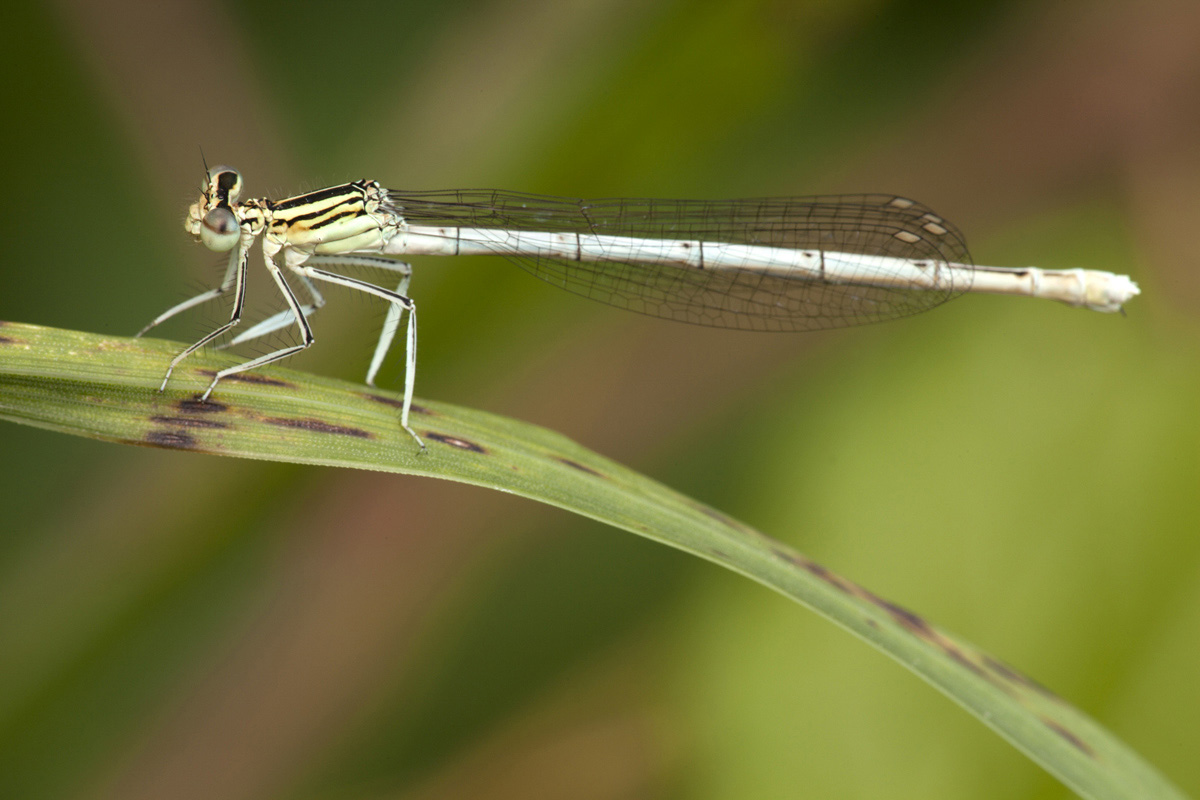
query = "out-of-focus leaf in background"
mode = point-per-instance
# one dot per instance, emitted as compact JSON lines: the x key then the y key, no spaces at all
{"x":175,"y":626}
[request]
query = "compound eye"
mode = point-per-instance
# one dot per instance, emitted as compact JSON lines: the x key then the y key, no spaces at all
{"x":220,"y":230}
{"x":225,"y":183}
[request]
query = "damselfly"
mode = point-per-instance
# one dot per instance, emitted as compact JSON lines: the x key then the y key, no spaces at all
{"x":773,"y":264}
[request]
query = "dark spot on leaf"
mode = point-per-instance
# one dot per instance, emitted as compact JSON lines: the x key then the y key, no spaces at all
{"x":198,"y":406}
{"x":578,"y":466}
{"x":453,"y":441}
{"x":6,"y":340}
{"x":816,"y":569}
{"x":317,"y":426}
{"x":188,"y":422}
{"x":1071,"y":738}
{"x":1016,"y":676}
{"x":958,"y":656}
{"x":906,"y":619}
{"x":387,"y":401}
{"x":173,"y":439}
{"x":250,"y":377}
{"x":832,"y":578}
{"x":786,"y":555}
{"x":394,"y":403}
{"x":812,"y":566}
{"x":728,"y":522}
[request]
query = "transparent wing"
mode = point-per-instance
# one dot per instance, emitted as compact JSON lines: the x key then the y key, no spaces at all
{"x":881,"y":228}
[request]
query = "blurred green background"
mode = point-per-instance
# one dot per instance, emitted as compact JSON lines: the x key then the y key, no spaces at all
{"x":1025,"y":474}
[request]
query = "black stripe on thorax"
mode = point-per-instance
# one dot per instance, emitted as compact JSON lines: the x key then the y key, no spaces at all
{"x":346,"y":190}
{"x":326,"y":215}
{"x":353,"y":212}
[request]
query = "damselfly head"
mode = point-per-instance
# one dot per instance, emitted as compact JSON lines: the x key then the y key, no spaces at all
{"x":210,"y":219}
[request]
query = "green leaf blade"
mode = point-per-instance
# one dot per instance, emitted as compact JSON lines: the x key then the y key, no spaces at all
{"x":106,"y":388}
